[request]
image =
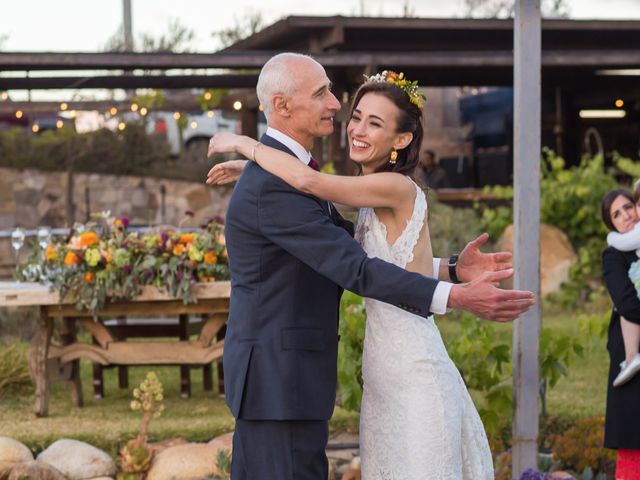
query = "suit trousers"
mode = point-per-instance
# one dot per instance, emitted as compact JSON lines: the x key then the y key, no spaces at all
{"x":279,"y":450}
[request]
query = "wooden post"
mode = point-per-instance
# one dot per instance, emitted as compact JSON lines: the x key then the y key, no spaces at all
{"x":527,"y":52}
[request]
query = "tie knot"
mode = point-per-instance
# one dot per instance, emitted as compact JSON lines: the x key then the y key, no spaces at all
{"x":313,"y":164}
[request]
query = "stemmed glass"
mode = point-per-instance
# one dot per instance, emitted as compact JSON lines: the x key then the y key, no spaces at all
{"x":17,"y":241}
{"x":44,"y":238}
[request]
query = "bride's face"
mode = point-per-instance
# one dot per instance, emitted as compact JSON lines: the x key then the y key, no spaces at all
{"x":372,"y":131}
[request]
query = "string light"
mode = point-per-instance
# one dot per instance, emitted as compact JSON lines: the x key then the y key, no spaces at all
{"x":113,"y":111}
{"x":4,"y":95}
{"x":59,"y":124}
{"x":35,"y":128}
{"x":143,"y":111}
{"x":176,"y":115}
{"x":134,"y":107}
{"x":19,"y":114}
{"x":619,"y":103}
{"x":237,"y":105}
{"x":63,"y":106}
{"x":194,"y":124}
{"x":210,"y":114}
{"x":72,"y":114}
{"x":207,"y":95}
{"x":121,"y":126}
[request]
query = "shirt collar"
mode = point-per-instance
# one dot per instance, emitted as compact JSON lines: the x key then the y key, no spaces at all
{"x":298,"y":150}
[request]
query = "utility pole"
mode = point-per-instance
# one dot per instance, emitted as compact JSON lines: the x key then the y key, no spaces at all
{"x":127,"y":25}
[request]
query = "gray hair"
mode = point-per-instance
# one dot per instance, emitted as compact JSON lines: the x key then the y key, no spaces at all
{"x":276,"y":79}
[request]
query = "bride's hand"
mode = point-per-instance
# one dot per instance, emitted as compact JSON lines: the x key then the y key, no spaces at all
{"x":225,"y":142}
{"x":226,"y":172}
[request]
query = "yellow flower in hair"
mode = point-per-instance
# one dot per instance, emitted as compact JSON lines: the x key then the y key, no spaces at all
{"x":410,"y":88}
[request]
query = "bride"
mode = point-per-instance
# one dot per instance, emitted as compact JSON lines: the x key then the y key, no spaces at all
{"x":417,"y":418}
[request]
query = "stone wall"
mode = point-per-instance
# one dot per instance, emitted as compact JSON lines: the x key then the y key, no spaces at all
{"x":30,"y":198}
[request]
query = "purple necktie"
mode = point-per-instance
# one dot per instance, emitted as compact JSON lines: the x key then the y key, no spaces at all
{"x":313,"y":164}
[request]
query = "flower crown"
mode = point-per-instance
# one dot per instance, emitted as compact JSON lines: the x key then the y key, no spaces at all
{"x":410,"y":88}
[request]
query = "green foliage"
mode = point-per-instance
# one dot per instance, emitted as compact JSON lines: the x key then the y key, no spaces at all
{"x":352,"y":327}
{"x":582,"y":447}
{"x":485,"y":364}
{"x":14,"y":368}
{"x":451,"y":228}
{"x":570,"y":200}
{"x":127,"y":152}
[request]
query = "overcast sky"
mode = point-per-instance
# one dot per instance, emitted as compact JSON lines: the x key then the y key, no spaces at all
{"x":86,"y":25}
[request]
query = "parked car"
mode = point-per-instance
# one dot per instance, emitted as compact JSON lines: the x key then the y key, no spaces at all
{"x":194,"y":139}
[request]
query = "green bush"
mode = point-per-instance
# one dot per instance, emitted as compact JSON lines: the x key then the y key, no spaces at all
{"x":131,"y":151}
{"x":570,"y":200}
{"x":14,"y":367}
{"x":352,"y":327}
{"x":451,"y":228}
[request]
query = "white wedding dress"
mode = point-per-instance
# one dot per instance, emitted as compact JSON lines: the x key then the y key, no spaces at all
{"x":418,"y":421}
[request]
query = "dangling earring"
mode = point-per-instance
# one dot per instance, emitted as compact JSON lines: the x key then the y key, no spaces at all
{"x":393,"y":157}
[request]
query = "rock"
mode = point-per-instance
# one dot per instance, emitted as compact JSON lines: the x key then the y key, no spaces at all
{"x":562,"y":475}
{"x":189,"y":461}
{"x":223,"y":441}
{"x":12,"y":452}
{"x":353,"y":472}
{"x":162,"y":446}
{"x":78,"y":460}
{"x":35,"y":470}
{"x":556,"y":256}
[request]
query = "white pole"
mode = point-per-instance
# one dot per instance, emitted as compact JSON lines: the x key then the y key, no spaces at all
{"x":526,"y":199}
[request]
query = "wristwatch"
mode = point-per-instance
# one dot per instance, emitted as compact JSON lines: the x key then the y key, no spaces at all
{"x":453,"y":263}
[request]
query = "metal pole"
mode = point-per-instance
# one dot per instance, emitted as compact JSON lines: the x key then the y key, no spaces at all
{"x":526,"y":343}
{"x":127,"y":25}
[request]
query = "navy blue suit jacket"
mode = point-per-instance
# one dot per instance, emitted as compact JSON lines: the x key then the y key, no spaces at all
{"x":289,"y":261}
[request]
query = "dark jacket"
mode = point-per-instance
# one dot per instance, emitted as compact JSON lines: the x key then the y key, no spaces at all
{"x":289,"y":261}
{"x":622,"y":424}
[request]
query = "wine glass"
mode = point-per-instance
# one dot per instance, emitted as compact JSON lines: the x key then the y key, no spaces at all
{"x":17,"y":241}
{"x":44,"y":237}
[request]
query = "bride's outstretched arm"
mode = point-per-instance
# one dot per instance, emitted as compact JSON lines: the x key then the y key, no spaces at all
{"x":376,"y":190}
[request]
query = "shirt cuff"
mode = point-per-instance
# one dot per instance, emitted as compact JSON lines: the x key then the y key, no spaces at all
{"x":436,"y":268}
{"x":441,"y":298}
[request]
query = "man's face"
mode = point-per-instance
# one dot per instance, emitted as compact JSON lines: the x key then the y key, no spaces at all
{"x":312,"y":107}
{"x":428,"y":161}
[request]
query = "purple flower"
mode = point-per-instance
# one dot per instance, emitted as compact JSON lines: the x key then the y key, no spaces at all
{"x":531,"y":474}
{"x":125,"y":221}
{"x":179,"y":275}
{"x":219,"y":219}
{"x":127,"y":268}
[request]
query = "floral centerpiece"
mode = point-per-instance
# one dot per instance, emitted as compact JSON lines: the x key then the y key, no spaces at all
{"x":104,"y":259}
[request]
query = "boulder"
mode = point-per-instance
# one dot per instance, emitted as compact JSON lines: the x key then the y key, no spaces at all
{"x":78,"y":460}
{"x":188,"y":461}
{"x":556,"y":256}
{"x":35,"y":470}
{"x":12,"y":452}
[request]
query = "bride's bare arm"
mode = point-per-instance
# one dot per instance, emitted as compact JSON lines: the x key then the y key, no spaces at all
{"x":226,"y":172}
{"x":376,"y":190}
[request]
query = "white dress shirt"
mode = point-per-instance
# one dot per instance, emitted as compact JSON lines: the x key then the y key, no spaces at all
{"x":441,"y":293}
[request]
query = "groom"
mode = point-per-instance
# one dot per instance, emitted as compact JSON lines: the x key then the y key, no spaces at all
{"x":290,"y":258}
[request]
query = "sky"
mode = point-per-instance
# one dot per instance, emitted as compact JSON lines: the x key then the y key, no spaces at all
{"x":86,"y":25}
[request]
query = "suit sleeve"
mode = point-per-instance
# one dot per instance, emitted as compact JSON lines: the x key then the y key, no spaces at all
{"x":615,"y":270}
{"x":297,"y":223}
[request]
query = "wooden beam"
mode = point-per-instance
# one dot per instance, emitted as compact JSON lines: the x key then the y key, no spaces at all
{"x":526,"y":202}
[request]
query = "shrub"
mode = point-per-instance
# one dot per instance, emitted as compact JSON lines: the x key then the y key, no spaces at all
{"x":14,"y":367}
{"x":582,"y":447}
{"x":451,"y":228}
{"x":352,"y":327}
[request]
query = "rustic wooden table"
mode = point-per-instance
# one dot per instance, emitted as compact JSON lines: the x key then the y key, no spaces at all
{"x":54,"y":362}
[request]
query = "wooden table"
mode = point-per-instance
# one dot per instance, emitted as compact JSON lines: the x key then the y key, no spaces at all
{"x":50,"y":362}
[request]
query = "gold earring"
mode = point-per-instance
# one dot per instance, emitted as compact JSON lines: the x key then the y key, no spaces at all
{"x":393,"y":157}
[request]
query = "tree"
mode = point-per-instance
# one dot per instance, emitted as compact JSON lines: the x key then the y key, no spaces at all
{"x":505,"y":8}
{"x":242,"y":28}
{"x":177,"y":39}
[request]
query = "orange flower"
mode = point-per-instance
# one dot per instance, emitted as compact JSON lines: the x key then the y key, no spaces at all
{"x":179,"y":250}
{"x":88,"y":239}
{"x":50,"y":253}
{"x":71,"y":259}
{"x":108,"y":256}
{"x":186,"y":238}
{"x":210,"y":258}
{"x":89,"y":277}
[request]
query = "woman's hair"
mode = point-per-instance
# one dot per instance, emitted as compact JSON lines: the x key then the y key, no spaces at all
{"x":636,"y":192}
{"x":409,"y":120}
{"x":607,"y":201}
{"x":275,"y":78}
